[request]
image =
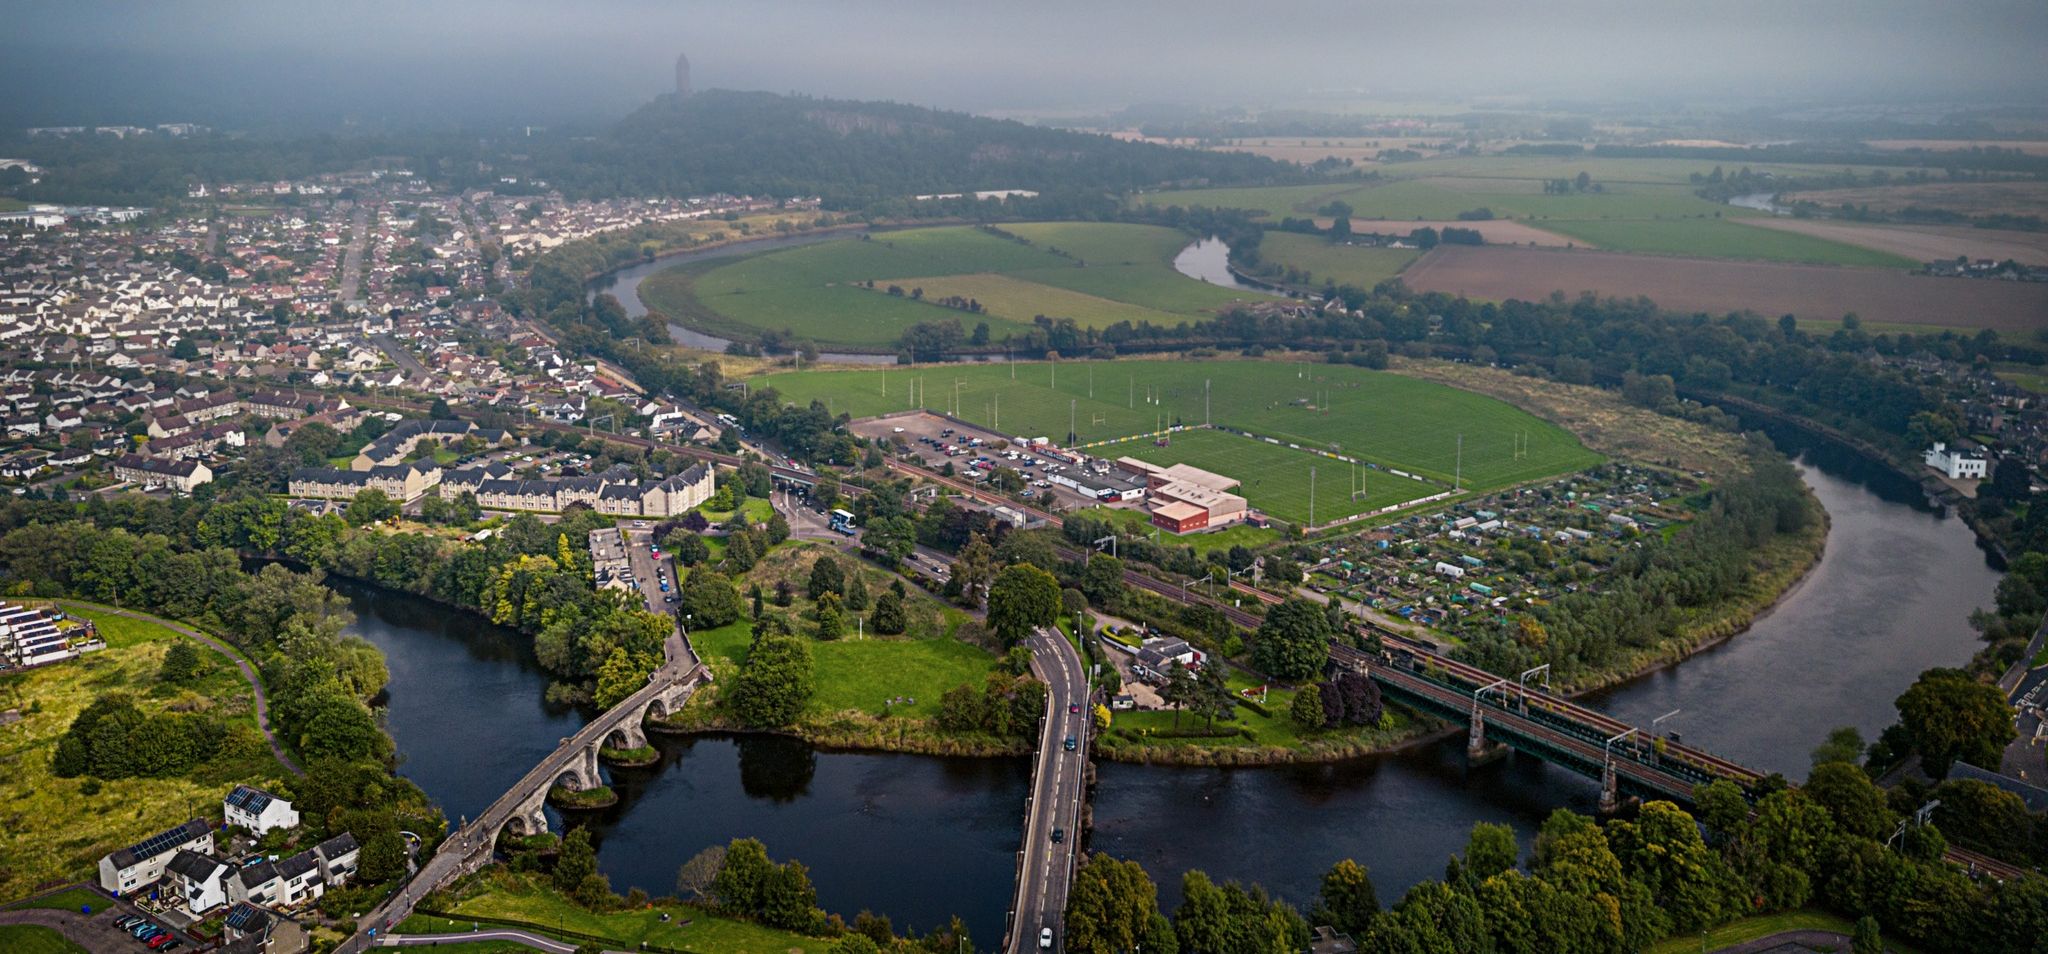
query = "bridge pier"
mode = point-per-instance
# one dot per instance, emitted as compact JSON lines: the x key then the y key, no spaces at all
{"x":1478,"y":751}
{"x":1610,"y":790}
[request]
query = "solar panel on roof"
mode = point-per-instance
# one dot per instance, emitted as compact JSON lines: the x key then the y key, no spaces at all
{"x":162,"y":842}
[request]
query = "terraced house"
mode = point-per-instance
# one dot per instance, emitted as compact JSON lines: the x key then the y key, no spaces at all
{"x":616,"y":491}
{"x":406,"y":482}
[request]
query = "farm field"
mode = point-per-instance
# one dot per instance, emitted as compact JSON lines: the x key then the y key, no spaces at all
{"x":1921,"y":243}
{"x":1275,"y":479}
{"x":1496,"y":231}
{"x":1967,"y":198}
{"x":1359,"y":265}
{"x":1680,"y":284}
{"x":1101,"y":274}
{"x":1725,"y":238}
{"x":1386,"y":418}
{"x":1645,"y":205}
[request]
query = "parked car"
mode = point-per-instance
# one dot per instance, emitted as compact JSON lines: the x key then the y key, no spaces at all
{"x":156,"y":943}
{"x":126,"y":921}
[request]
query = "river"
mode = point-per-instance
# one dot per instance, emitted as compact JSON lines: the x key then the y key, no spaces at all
{"x":1209,"y":260}
{"x":922,"y":838}
{"x":624,"y":284}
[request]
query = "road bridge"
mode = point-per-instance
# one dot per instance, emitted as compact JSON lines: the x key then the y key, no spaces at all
{"x":520,"y":812}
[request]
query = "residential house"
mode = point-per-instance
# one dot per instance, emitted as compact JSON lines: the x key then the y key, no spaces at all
{"x":197,"y":882}
{"x":180,"y":475}
{"x":142,"y":864}
{"x":257,"y":810}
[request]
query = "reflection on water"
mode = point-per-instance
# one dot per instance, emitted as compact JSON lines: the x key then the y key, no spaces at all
{"x":1209,"y":261}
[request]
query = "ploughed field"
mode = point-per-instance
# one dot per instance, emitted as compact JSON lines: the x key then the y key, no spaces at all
{"x":1096,"y":274}
{"x":1679,"y":284}
{"x":1387,"y":420}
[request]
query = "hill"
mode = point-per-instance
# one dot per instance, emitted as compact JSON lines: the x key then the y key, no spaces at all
{"x":856,"y":153}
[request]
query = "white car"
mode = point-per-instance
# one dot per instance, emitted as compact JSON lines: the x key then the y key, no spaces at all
{"x":1045,"y":939}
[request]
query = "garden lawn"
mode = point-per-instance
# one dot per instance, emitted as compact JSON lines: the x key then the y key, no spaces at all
{"x":1407,"y":423}
{"x":514,"y":898}
{"x":50,"y":828}
{"x":1357,"y":265}
{"x":35,"y":939}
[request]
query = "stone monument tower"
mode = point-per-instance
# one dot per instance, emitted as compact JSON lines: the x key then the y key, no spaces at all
{"x":682,"y":76}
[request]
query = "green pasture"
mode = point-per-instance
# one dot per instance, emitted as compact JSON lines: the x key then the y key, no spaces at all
{"x":1394,"y":420}
{"x":1719,"y":238}
{"x":1093,"y":273}
{"x":1327,"y":262}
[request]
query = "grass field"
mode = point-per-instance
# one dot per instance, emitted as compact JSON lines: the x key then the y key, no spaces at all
{"x":50,"y":828}
{"x":1094,"y":273}
{"x":1344,"y":264}
{"x":1643,"y":206}
{"x":1719,"y":238}
{"x":70,"y":899}
{"x":856,"y":673}
{"x":33,"y":939}
{"x":523,"y":898}
{"x":1276,"y":479}
{"x":1765,"y":925}
{"x":1385,"y":418}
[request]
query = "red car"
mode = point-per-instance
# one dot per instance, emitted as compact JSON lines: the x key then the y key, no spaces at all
{"x":159,"y":941}
{"x":1073,"y":708}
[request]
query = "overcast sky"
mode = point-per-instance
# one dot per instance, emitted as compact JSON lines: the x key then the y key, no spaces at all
{"x":234,"y":62}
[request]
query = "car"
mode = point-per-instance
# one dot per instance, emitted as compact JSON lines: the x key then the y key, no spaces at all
{"x":145,"y":931}
{"x":1072,"y":744}
{"x":125,"y":921}
{"x":157,"y":943}
{"x":174,"y":945}
{"x":1059,"y":835}
{"x":897,"y":430}
{"x":1045,"y":939}
{"x":669,"y":598}
{"x":664,"y":587}
{"x":1073,"y":708}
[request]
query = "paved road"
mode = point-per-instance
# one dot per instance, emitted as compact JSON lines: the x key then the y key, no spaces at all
{"x":1057,"y":790}
{"x":248,"y":671}
{"x":401,"y":357}
{"x":95,"y":932}
{"x":352,"y":259}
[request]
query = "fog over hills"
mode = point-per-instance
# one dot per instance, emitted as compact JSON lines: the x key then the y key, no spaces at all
{"x":386,"y":63}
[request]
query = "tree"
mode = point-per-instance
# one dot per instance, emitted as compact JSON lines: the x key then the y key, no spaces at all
{"x":1022,"y":598}
{"x":383,"y":858}
{"x":181,"y":662}
{"x":1103,"y":580}
{"x":1307,"y":708}
{"x":694,"y":878}
{"x":826,"y":577}
{"x":1179,"y":689}
{"x":1213,"y":698}
{"x":1490,"y":850}
{"x":856,"y":592}
{"x":887,"y":618}
{"x":1866,"y":940}
{"x":1855,"y":802}
{"x":1292,"y":642}
{"x":1112,"y":906}
{"x":831,"y":619}
{"x":1948,"y":716}
{"x":1844,"y":744}
{"x":1662,"y":849}
{"x":370,"y":506}
{"x":774,"y":684}
{"x":1721,"y":806}
{"x":576,"y":862}
{"x":742,"y":876}
{"x":1347,"y":901}
{"x":711,"y":599}
{"x":688,"y":548}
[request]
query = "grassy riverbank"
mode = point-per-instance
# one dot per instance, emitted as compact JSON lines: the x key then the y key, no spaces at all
{"x":527,"y":900}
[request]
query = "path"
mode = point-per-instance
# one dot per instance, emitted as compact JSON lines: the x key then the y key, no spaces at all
{"x":248,"y":671}
{"x":1790,"y":942}
{"x":352,"y":258}
{"x":534,"y":941}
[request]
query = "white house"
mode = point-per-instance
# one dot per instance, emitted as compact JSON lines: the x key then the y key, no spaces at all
{"x":1958,"y":464}
{"x":258,"y":810}
{"x":142,"y":863}
{"x":201,"y":881}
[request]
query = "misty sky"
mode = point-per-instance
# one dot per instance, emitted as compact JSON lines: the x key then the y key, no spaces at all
{"x":491,"y":62}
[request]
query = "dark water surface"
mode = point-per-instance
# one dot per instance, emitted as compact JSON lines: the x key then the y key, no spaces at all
{"x":922,"y":838}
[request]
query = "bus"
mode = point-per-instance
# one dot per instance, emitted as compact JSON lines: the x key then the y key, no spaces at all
{"x":842,"y":521}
